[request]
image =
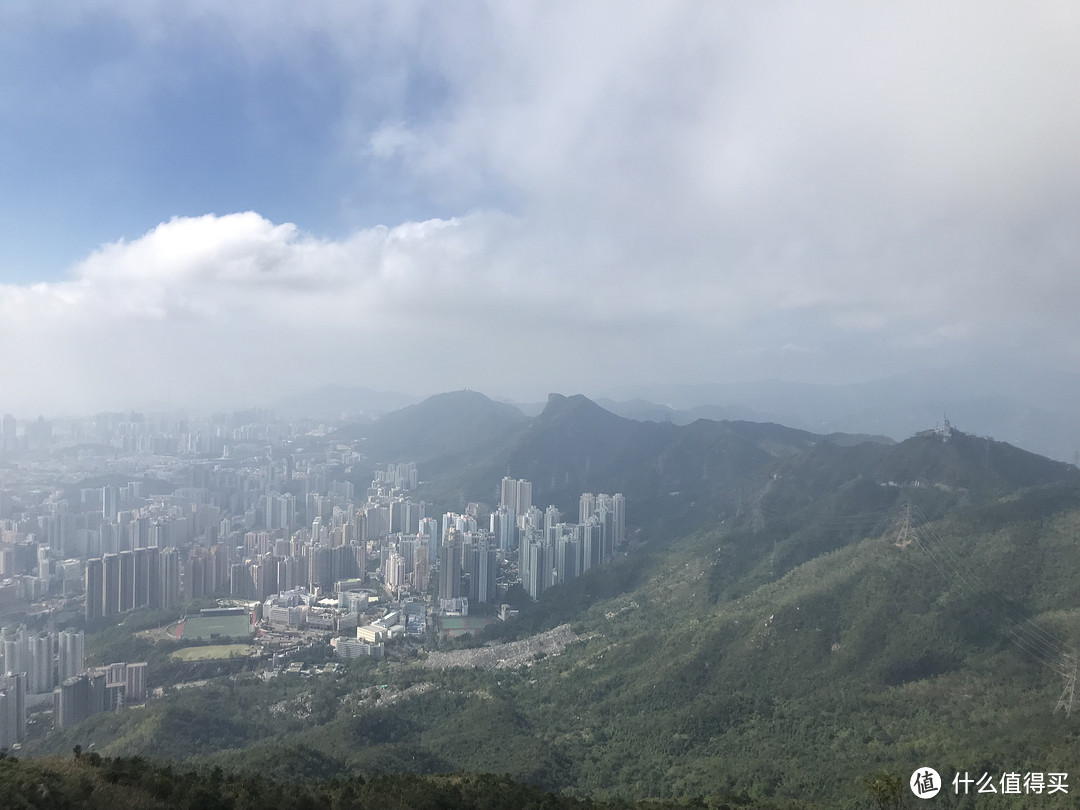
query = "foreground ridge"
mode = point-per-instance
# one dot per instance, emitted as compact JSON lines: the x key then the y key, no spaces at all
{"x":91,"y":781}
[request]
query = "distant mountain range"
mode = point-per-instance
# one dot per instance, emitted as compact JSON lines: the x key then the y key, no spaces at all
{"x":466,"y":443}
{"x":1029,"y":407}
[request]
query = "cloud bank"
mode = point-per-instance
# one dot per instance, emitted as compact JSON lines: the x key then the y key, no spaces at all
{"x":662,"y":193}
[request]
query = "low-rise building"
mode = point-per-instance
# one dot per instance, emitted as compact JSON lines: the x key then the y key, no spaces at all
{"x":347,"y":648}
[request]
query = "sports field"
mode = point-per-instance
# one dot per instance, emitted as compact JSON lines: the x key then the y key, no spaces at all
{"x":209,"y":627}
{"x":454,"y":626}
{"x":212,"y":652}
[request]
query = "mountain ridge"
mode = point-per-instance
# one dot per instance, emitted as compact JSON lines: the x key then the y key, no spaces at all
{"x":822,"y":613}
{"x":1022,"y":404}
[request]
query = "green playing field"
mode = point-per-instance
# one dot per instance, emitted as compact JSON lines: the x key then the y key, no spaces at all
{"x":196,"y":627}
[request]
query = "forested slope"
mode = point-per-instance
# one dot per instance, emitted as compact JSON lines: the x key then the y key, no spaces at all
{"x":859,"y":610}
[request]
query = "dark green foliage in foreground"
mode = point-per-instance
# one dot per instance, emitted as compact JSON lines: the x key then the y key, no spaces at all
{"x":89,"y":782}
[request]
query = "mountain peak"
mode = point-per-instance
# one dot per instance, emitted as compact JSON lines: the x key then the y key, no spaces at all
{"x":442,"y":426}
{"x":560,"y":406}
{"x":960,"y":459}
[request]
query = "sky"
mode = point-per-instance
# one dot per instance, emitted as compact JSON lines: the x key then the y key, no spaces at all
{"x":217,"y":204}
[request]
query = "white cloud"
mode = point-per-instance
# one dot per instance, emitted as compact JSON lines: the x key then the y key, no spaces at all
{"x":656,"y":190}
{"x":237,"y":307}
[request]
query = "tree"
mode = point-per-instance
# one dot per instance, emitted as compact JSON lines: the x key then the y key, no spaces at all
{"x":886,"y":790}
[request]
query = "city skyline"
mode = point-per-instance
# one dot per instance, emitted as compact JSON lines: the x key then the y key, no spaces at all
{"x":289,"y":529}
{"x":217,"y":205}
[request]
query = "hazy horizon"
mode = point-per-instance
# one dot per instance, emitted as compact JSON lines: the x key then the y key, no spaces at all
{"x":216,"y":206}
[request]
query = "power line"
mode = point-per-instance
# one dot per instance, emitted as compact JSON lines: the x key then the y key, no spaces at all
{"x":1029,"y":631}
{"x":1029,"y":634}
{"x":1066,"y":700}
{"x":1030,"y":637}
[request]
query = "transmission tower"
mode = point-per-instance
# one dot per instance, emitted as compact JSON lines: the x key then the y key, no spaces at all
{"x":905,"y":536}
{"x":1036,"y":643}
{"x":1069,"y":674}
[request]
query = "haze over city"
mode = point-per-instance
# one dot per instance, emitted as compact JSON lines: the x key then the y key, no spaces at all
{"x":217,"y":205}
{"x":638,"y":405}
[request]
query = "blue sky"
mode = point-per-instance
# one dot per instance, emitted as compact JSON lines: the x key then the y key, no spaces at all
{"x":261,"y":198}
{"x":111,"y":129}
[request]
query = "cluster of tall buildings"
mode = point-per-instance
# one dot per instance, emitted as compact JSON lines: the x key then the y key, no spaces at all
{"x":232,"y":519}
{"x":468,"y":565}
{"x":36,"y":435}
{"x":463,"y":557}
{"x":552,"y":550}
{"x":279,"y":556}
{"x":229,"y":559}
{"x":12,"y":708}
{"x":250,"y":557}
{"x":9,"y":439}
{"x":268,"y":515}
{"x":515,"y":495}
{"x":549,"y":550}
{"x":403,"y":477}
{"x":143,"y":434}
{"x":100,"y":689}
{"x":333,"y":546}
{"x":146,"y":577}
{"x":55,"y":662}
{"x":33,"y":664}
{"x":267,"y":562}
{"x":45,"y":658}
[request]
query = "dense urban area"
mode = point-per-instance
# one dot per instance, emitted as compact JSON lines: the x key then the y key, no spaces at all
{"x":270,"y":524}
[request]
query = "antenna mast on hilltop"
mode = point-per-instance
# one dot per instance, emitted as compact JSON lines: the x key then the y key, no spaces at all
{"x":946,"y":429}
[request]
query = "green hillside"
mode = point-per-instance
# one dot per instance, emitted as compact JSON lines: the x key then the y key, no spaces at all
{"x":441,"y":432}
{"x":87,"y":781}
{"x":676,"y":477}
{"x":847,"y":612}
